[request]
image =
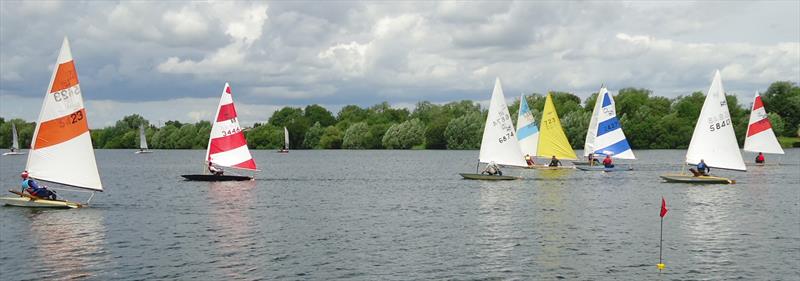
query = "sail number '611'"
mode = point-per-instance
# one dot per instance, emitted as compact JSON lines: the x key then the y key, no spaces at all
{"x":719,"y":125}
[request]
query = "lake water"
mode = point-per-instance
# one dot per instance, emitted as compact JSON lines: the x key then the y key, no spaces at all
{"x":401,"y":215}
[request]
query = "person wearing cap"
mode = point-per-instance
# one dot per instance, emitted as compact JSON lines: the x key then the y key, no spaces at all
{"x":29,"y":185}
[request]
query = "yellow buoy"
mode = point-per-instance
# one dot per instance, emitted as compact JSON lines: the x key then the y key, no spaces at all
{"x":660,"y":266}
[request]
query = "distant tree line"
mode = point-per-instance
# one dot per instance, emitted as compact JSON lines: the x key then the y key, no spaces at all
{"x":649,"y":122}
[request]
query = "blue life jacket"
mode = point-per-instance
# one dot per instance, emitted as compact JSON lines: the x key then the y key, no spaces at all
{"x":702,"y":166}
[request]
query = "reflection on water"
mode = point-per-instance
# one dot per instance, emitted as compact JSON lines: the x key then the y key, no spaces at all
{"x":232,"y":222}
{"x":69,"y":244}
{"x":551,"y":211}
{"x":494,"y":216}
{"x":709,"y":226}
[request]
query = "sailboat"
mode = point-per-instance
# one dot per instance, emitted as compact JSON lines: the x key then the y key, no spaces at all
{"x":713,"y":140}
{"x":14,"y":142}
{"x":61,"y":150}
{"x":285,"y":148}
{"x":227,"y":146}
{"x":527,"y":131}
{"x":760,"y":137}
{"x":605,"y":136}
{"x":142,"y":142}
{"x":499,"y":144}
{"x":552,"y":139}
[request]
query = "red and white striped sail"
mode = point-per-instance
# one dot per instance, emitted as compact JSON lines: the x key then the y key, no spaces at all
{"x":227,"y":145}
{"x":61,"y":149}
{"x":760,"y":137}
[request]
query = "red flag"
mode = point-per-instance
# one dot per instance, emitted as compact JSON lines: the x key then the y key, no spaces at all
{"x":663,"y":207}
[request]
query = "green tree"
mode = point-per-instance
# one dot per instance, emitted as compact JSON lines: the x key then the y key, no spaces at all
{"x":575,"y":125}
{"x":405,"y":135}
{"x":331,"y":138}
{"x":313,"y":136}
{"x":465,"y":132}
{"x":783,"y":98}
{"x":318,"y":114}
{"x":357,"y":136}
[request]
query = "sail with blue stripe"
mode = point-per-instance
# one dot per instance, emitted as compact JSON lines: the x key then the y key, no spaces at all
{"x":605,"y":134}
{"x":527,"y":131}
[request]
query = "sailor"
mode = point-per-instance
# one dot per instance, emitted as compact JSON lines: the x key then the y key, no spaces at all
{"x":214,"y":170}
{"x":760,"y":158}
{"x":529,"y":160}
{"x":29,"y":185}
{"x":492,"y":169}
{"x":702,"y":169}
{"x":607,"y":162}
{"x":554,"y":162}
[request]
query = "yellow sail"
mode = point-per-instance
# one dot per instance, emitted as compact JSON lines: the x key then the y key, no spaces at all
{"x":552,"y":140}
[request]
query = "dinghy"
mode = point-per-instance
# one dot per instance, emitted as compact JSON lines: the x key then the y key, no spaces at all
{"x":605,"y":136}
{"x":760,"y":136}
{"x":552,"y":139}
{"x":527,"y":131}
{"x":285,"y":148}
{"x":14,"y":142}
{"x":61,"y":150}
{"x":713,"y":140}
{"x":227,"y":146}
{"x":499,"y":143}
{"x":142,"y":142}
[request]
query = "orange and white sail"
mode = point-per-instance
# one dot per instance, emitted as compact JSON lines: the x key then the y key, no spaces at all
{"x":61,"y":149}
{"x":227,"y":145}
{"x":760,"y":137}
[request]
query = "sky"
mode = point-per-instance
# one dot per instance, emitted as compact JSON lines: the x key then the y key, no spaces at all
{"x":169,"y":60}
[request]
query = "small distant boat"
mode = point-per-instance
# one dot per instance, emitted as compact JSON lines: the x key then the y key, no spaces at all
{"x":499,"y":143}
{"x":713,"y":140}
{"x":760,"y":136}
{"x":142,"y":142}
{"x":61,"y":150}
{"x":605,"y":136}
{"x":552,"y":139}
{"x":227,"y":146}
{"x":14,"y":142}
{"x":285,"y":148}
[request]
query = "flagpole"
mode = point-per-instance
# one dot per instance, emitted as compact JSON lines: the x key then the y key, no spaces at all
{"x":661,"y":246}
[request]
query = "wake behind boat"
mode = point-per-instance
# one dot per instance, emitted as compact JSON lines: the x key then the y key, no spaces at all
{"x":61,"y":150}
{"x":713,"y":140}
{"x":227,"y":146}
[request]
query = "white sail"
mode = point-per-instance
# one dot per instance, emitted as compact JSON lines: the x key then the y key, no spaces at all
{"x":227,"y":145}
{"x":605,"y":134}
{"x":527,"y":131}
{"x":14,"y":137}
{"x":760,"y":137}
{"x":142,"y":138}
{"x":499,"y":143}
{"x":714,"y":140}
{"x":285,"y":138}
{"x":61,"y":149}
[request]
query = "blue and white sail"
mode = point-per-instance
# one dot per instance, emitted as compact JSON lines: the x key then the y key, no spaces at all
{"x":605,"y":134}
{"x":527,"y":131}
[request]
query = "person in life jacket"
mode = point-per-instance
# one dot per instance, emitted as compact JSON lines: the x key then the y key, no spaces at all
{"x":608,"y":163}
{"x":554,"y":162}
{"x":529,"y":160}
{"x":492,"y":169}
{"x":702,"y":169}
{"x":214,"y":170}
{"x":760,"y":158}
{"x":29,"y":185}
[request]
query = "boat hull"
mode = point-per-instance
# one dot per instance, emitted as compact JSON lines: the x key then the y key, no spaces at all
{"x":543,"y":167}
{"x":30,"y":202}
{"x":144,"y":152}
{"x":14,"y":153}
{"x":601,"y":168}
{"x":487,"y":177}
{"x":687,"y":178}
{"x":282,"y":151}
{"x":216,"y":178}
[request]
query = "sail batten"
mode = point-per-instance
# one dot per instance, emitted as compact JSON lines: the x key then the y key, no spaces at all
{"x":499,"y":143}
{"x":552,"y":139}
{"x":61,"y":148}
{"x":227,"y":145}
{"x":605,"y":135}
{"x":760,"y":136}
{"x":714,"y":140}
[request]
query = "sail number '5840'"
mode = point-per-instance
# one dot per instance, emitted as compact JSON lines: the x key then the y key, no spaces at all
{"x":719,"y":125}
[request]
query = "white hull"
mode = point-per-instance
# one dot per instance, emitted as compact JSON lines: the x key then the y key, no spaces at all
{"x":145,"y":151}
{"x":14,"y":153}
{"x":20,"y":201}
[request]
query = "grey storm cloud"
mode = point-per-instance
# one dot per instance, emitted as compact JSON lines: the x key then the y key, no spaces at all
{"x":142,"y":57}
